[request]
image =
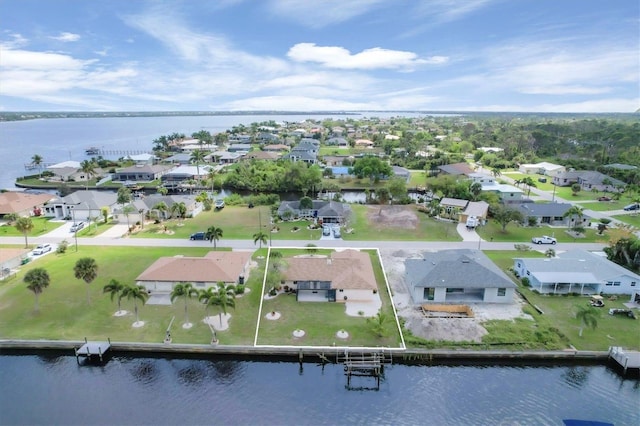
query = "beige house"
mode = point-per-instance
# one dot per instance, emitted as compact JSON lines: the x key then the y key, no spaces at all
{"x":229,"y":267}
{"x":343,"y":276}
{"x":23,"y":203}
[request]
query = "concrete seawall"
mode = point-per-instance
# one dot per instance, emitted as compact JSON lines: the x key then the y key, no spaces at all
{"x":299,"y":353}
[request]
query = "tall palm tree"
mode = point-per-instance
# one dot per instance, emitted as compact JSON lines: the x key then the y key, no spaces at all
{"x":24,"y":225}
{"x":211,"y":176}
{"x":89,"y":169}
{"x":213,"y":235}
{"x":114,"y":288}
{"x":187,"y":291}
{"x":197,"y":156}
{"x":260,"y":237}
{"x":37,"y":161}
{"x":224,"y":295}
{"x":127,"y":210}
{"x":86,"y":269}
{"x":137,"y":293}
{"x":588,"y":316}
{"x":576,"y":211}
{"x":37,"y":280}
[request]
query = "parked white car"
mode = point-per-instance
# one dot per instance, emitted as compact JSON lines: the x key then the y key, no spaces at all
{"x":42,"y":249}
{"x":77,"y":226}
{"x":543,"y":240}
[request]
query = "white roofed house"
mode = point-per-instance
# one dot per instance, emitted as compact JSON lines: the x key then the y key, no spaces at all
{"x":81,"y":205}
{"x":576,"y":271}
{"x":457,"y":276}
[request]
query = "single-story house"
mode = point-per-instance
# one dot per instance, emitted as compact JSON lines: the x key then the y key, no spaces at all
{"x":364,"y":143}
{"x":477,"y":209}
{"x":145,"y":158}
{"x":456,"y":169}
{"x":184,"y":173}
{"x":506,"y":193}
{"x":23,"y":203}
{"x":81,"y":205}
{"x":148,"y":203}
{"x":229,"y":267}
{"x":262,"y":155}
{"x":452,"y":207}
{"x":588,"y":180}
{"x":542,"y":168}
{"x":70,"y":171}
{"x":457,"y":276}
{"x":551,"y":214}
{"x":227,"y":157}
{"x":341,"y":276}
{"x":141,"y":173}
{"x":321,"y":210}
{"x":239,"y":147}
{"x":180,"y":158}
{"x":337,"y":141}
{"x":576,"y":271}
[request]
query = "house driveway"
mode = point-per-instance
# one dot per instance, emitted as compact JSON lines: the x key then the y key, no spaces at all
{"x":467,"y":234}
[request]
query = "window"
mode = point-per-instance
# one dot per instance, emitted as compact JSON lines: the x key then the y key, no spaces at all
{"x":633,"y":283}
{"x":428,"y":293}
{"x":616,"y":283}
{"x":609,"y":283}
{"x":455,"y":290}
{"x":528,"y":273}
{"x":502,"y":292}
{"x":519,"y":265}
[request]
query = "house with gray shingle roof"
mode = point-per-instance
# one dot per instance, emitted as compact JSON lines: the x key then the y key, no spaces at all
{"x":306,"y":150}
{"x":551,"y":214}
{"x":457,"y":276}
{"x":588,"y":180}
{"x":81,"y":205}
{"x":322,"y":210}
{"x":577,"y":271}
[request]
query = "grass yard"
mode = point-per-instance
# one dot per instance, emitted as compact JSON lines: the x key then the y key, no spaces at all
{"x":631,"y":219}
{"x":492,"y":231}
{"x":321,"y":321}
{"x":558,"y":323}
{"x":397,"y":223}
{"x":41,"y":225}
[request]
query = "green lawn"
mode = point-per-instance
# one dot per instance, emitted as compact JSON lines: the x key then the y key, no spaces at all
{"x":41,"y":225}
{"x":631,"y":219}
{"x":492,"y":231}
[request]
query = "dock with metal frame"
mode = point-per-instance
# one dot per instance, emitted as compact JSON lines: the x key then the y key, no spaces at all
{"x":93,"y":350}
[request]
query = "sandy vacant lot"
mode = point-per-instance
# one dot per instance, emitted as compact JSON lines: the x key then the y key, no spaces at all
{"x":452,"y":329}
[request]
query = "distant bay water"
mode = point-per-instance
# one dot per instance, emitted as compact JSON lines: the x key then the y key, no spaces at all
{"x":62,"y":139}
{"x":49,"y":389}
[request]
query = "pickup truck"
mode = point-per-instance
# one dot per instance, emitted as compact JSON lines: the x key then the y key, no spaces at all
{"x":543,"y":240}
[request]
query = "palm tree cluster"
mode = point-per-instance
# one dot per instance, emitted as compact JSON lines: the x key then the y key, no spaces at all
{"x":119,"y":291}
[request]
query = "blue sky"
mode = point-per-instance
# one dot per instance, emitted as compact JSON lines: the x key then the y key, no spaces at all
{"x":311,"y":55}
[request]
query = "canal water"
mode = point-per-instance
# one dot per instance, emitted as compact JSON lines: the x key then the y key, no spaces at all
{"x":51,"y":389}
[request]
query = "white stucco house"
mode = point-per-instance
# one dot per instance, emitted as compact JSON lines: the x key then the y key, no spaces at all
{"x":577,"y":271}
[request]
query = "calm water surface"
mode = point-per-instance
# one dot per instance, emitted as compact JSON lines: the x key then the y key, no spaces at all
{"x":55,"y":390}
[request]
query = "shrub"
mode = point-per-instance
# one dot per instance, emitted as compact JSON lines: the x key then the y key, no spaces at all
{"x":62,"y":247}
{"x":526,"y":282}
{"x":240,"y":289}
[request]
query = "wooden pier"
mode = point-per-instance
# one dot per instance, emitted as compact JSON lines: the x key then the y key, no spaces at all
{"x":92,"y":350}
{"x":124,"y":152}
{"x":365,"y":365}
{"x":627,"y":360}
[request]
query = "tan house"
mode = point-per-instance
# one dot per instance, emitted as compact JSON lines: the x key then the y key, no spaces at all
{"x":229,"y":267}
{"x":343,"y":276}
{"x":23,"y":203}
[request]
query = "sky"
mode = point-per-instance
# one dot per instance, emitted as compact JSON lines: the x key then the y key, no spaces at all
{"x":320,"y":55}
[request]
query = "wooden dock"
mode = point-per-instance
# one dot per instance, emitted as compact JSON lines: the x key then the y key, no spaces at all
{"x":627,"y":360}
{"x":92,"y":350}
{"x":365,"y":365}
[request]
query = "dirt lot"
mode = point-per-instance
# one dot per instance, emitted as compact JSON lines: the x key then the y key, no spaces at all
{"x":392,"y":217}
{"x":451,"y":329}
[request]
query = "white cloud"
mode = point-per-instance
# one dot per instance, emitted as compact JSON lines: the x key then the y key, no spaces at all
{"x":17,"y":41}
{"x":374,"y":58}
{"x":66,"y":37}
{"x":320,"y":13}
{"x":450,"y":10}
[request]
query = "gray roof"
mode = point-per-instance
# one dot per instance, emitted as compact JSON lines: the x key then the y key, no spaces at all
{"x":577,"y":266}
{"x":93,"y":200}
{"x":464,"y":268}
{"x":324,"y":208}
{"x":544,"y":209}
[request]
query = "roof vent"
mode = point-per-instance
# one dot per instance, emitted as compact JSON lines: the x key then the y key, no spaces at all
{"x":466,"y":260}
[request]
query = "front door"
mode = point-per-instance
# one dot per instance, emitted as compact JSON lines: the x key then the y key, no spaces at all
{"x":331,"y":295}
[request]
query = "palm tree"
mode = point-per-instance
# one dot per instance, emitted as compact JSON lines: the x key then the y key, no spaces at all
{"x":211,"y":176}
{"x":24,"y":225}
{"x":197,"y":156}
{"x":223,"y":296}
{"x":588,"y":316}
{"x":37,"y":280}
{"x":86,"y":269}
{"x":127,"y":210}
{"x":377,"y":324}
{"x":89,"y":169}
{"x":260,"y":237}
{"x":476,"y":190}
{"x":496,"y":172}
{"x":179,"y":209}
{"x":576,"y":211}
{"x":115,"y":288}
{"x":37,"y":161}
{"x":160,"y":207}
{"x":187,"y":291}
{"x":213,"y":235}
{"x":137,"y":293}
